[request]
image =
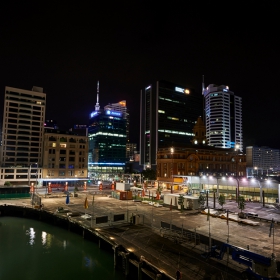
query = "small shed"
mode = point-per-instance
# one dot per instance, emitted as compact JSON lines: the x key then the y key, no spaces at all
{"x":122,"y":186}
{"x":122,"y":195}
{"x":190,"y":202}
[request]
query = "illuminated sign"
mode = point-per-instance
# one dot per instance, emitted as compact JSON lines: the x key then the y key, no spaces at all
{"x":113,"y":113}
{"x":182,"y":90}
{"x":93,"y":114}
{"x":179,"y":89}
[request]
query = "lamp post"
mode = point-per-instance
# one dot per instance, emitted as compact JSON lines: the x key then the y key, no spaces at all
{"x":257,"y":173}
{"x":29,"y":171}
{"x":46,"y":186}
{"x":261,"y":191}
{"x":172,"y":178}
{"x":36,"y":176}
{"x":237,"y":187}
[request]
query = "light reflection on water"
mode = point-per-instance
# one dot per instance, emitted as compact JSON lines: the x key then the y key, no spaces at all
{"x":31,"y":234}
{"x":35,"y":250}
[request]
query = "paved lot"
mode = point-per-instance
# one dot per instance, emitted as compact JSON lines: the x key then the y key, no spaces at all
{"x":145,"y":240}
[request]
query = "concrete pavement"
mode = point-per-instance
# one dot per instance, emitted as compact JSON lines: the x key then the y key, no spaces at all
{"x":145,"y":238}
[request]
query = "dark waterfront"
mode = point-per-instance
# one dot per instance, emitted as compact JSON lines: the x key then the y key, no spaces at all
{"x":35,"y":250}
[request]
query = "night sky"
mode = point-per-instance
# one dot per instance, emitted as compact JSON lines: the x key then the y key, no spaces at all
{"x":126,"y":45}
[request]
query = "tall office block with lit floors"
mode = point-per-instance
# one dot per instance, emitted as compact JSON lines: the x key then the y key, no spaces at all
{"x":223,"y":117}
{"x":168,"y":113}
{"x":107,"y":141}
{"x":22,"y":135}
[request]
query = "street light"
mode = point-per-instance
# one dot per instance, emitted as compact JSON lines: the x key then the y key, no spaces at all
{"x":237,"y":187}
{"x":29,"y":174}
{"x":36,"y":176}
{"x":261,"y":191}
{"x":256,"y":168}
{"x":172,"y":178}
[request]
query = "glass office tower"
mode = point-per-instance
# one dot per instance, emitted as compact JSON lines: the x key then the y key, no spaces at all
{"x":168,"y":113}
{"x":107,"y":144}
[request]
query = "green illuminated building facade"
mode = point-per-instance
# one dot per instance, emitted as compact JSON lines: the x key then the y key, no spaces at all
{"x":107,"y":144}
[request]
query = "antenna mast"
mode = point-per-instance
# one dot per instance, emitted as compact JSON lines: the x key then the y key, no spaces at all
{"x":97,"y":107}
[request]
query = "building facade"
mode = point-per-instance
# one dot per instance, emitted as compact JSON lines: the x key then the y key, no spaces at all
{"x":262,"y":161}
{"x":107,"y":144}
{"x":22,"y":134}
{"x":198,"y":161}
{"x":131,"y":150}
{"x":223,"y":117}
{"x":168,"y":113}
{"x":65,"y":156}
{"x":120,"y":107}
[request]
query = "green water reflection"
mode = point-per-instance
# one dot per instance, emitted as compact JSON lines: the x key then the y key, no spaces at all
{"x":34,"y":250}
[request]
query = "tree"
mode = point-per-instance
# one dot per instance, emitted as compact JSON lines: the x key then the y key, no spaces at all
{"x":181,"y":201}
{"x":241,"y":203}
{"x":241,"y":206}
{"x":222,"y":200}
{"x":201,"y":200}
{"x":7,"y":183}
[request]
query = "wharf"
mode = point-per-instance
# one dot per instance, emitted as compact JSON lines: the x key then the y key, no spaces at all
{"x":161,"y":252}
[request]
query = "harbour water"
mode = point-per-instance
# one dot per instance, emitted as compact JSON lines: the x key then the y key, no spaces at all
{"x":32,"y":250}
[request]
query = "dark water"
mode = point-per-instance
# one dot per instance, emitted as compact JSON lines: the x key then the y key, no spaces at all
{"x":34,"y":250}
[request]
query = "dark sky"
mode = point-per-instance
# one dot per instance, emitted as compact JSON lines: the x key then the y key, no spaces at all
{"x":66,"y":48}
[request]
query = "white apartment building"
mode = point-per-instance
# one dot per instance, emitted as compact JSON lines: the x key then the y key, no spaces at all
{"x":262,"y":161}
{"x":223,"y":117}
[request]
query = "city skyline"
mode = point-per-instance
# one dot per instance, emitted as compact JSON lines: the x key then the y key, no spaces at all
{"x":67,"y":49}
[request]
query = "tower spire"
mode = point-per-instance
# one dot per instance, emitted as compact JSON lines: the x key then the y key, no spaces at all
{"x":203,"y":84}
{"x":97,"y":107}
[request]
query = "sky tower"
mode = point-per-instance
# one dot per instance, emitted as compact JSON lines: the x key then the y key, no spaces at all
{"x":97,"y":107}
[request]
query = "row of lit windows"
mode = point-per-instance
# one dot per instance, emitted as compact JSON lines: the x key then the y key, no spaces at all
{"x":62,"y":145}
{"x":64,"y":139}
{"x":62,"y":173}
{"x":28,"y":95}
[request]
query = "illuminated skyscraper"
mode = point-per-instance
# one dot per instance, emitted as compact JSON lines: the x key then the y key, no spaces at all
{"x":107,"y":141}
{"x":223,"y":117}
{"x":23,"y":129}
{"x":168,"y":113}
{"x":120,"y":107}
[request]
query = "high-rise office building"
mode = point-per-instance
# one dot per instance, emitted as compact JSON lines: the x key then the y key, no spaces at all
{"x":120,"y":107}
{"x":168,"y":113}
{"x":131,"y":150}
{"x":262,"y":161}
{"x":22,"y":134}
{"x":223,"y":117}
{"x":107,"y":141}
